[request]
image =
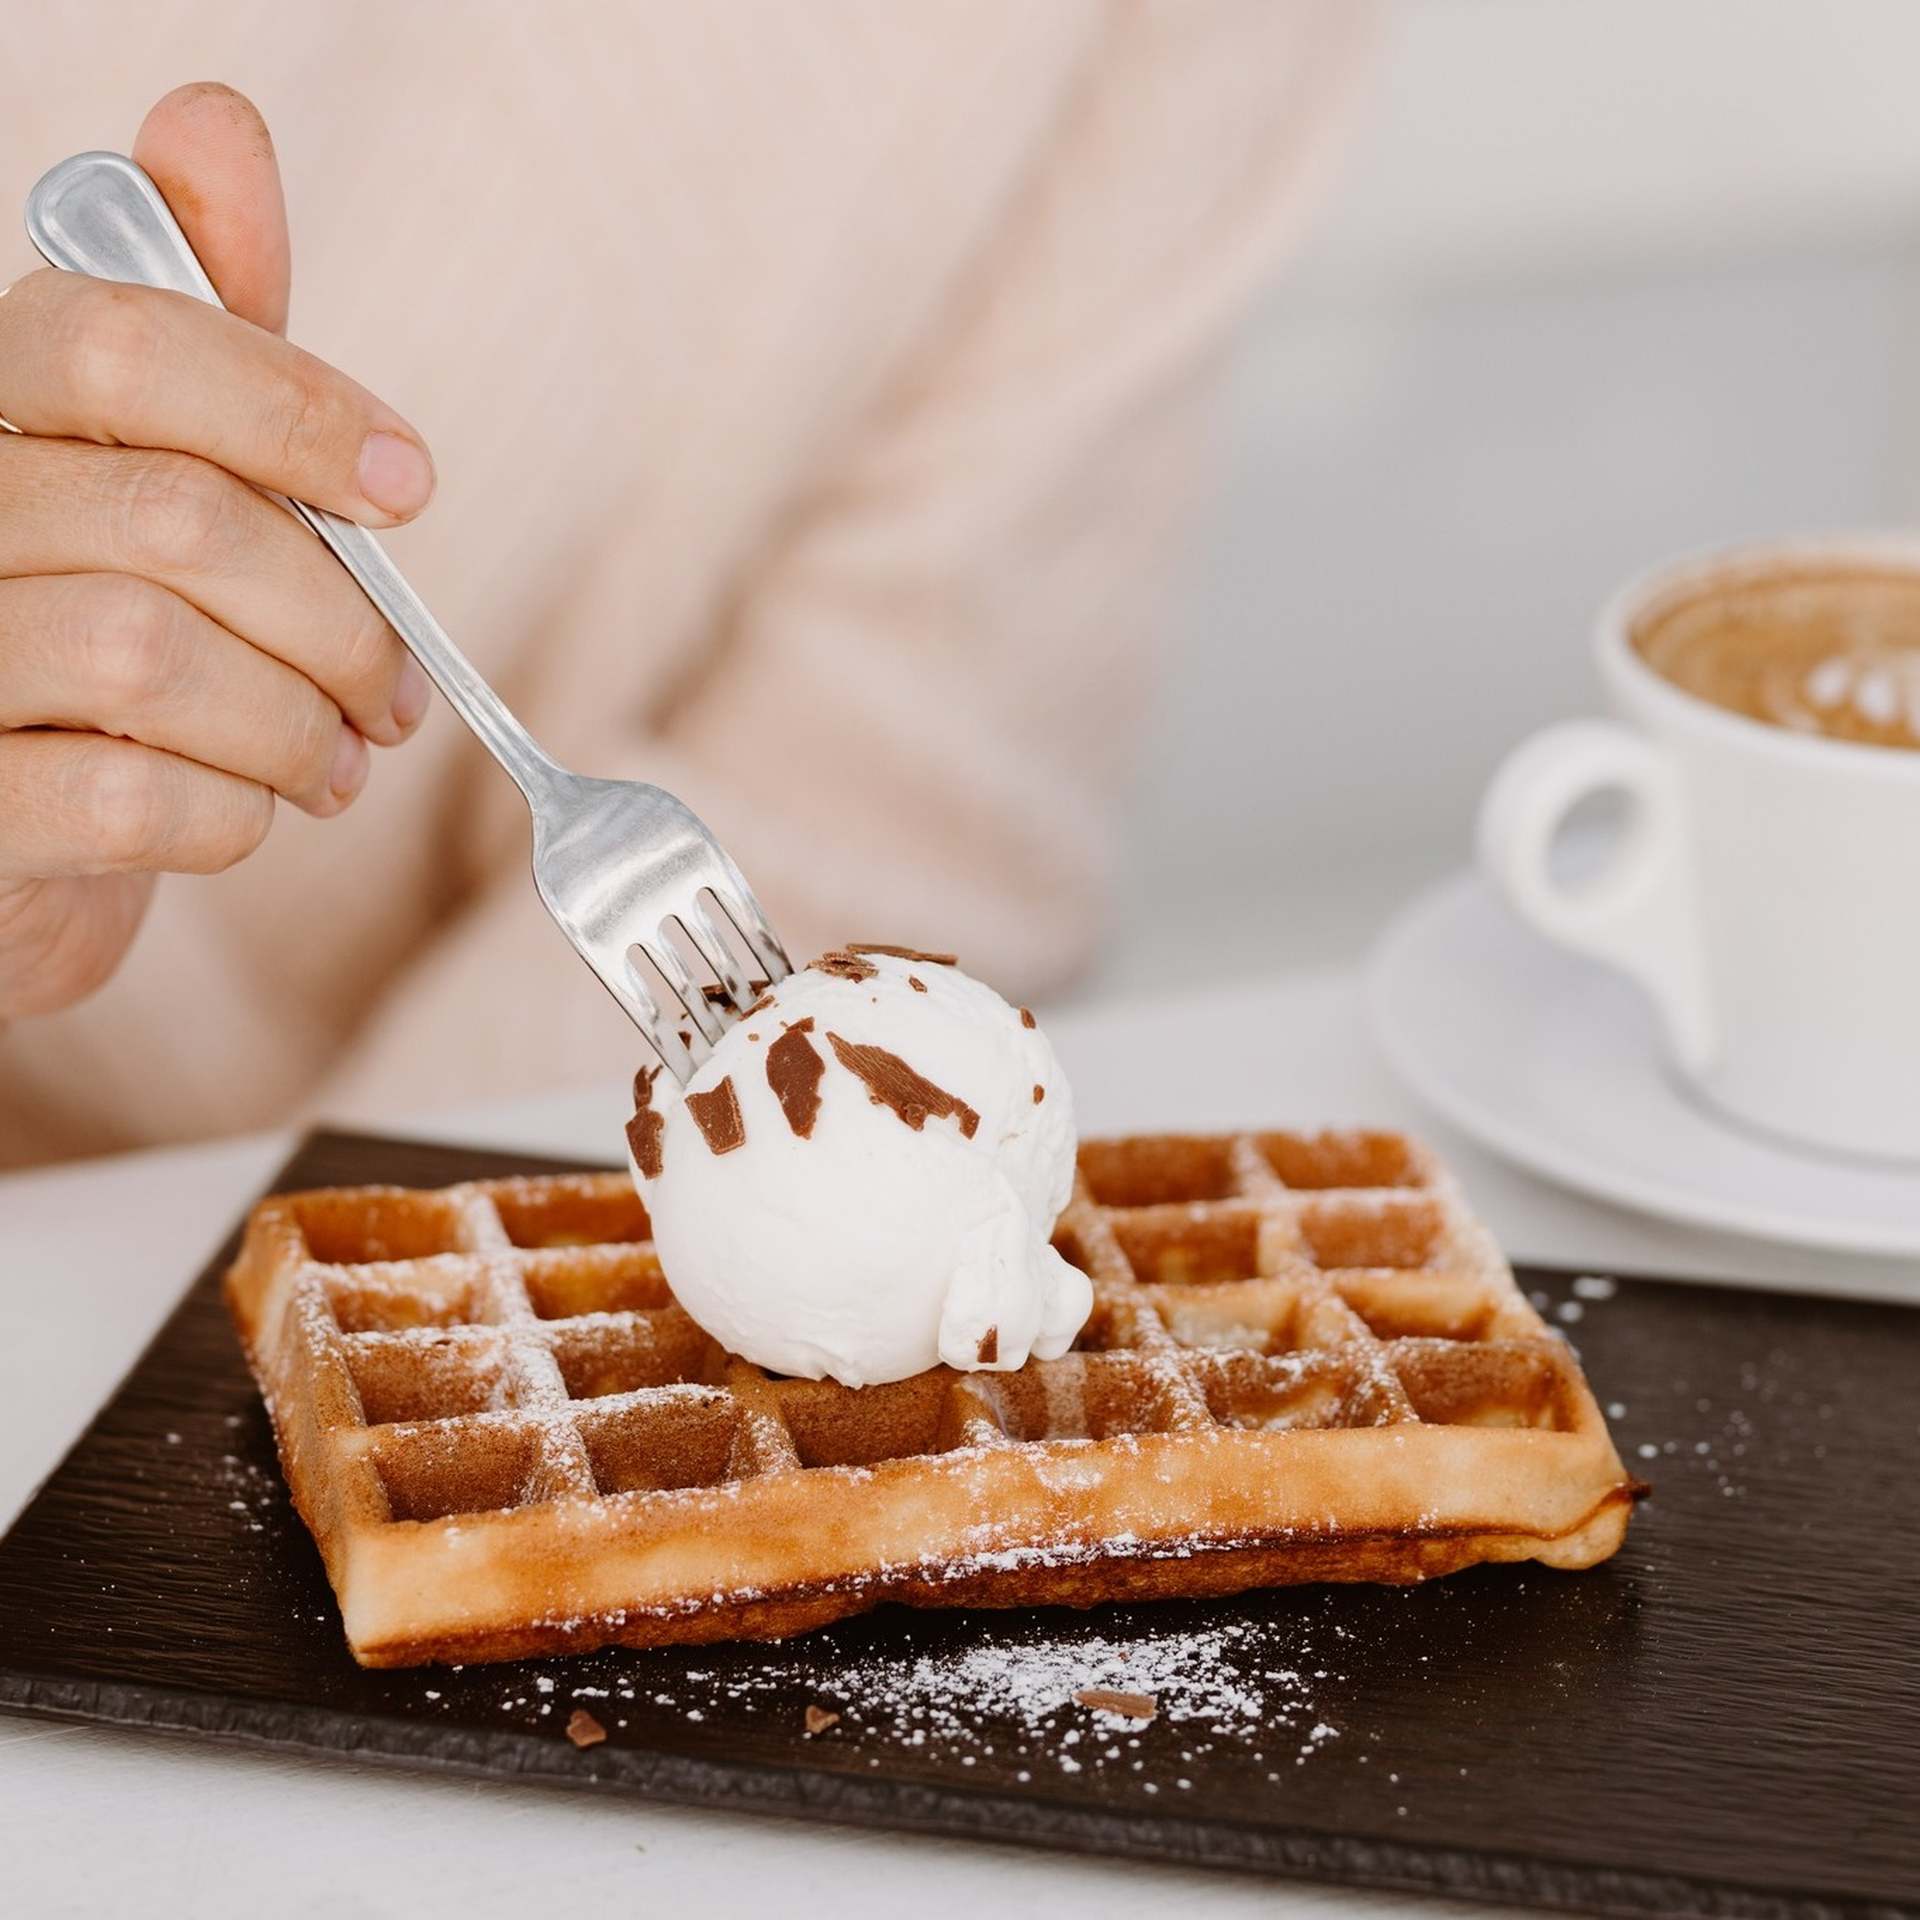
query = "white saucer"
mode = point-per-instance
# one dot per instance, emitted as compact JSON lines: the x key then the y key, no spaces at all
{"x":1555,"y":1063}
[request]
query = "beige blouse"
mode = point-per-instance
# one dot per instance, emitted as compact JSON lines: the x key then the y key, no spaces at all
{"x":812,"y":385}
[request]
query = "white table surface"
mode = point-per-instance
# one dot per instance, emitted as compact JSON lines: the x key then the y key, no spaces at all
{"x":93,"y":1256}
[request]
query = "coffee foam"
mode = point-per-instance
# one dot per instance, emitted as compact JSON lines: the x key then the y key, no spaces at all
{"x":1834,"y":653}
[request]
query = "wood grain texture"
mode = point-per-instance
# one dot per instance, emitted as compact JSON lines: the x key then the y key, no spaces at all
{"x":1725,"y":1719}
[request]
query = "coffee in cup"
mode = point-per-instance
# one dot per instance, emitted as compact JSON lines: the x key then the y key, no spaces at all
{"x":1834,"y":653}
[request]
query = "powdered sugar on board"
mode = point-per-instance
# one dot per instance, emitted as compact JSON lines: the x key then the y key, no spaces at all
{"x":1188,"y":1675}
{"x":1269,"y":1691}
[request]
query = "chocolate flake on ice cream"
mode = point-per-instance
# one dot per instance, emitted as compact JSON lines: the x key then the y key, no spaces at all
{"x":646,"y":1126}
{"x":892,"y":1083}
{"x":844,"y":964}
{"x":717,"y":1114}
{"x":794,"y":1070}
{"x":903,"y":953}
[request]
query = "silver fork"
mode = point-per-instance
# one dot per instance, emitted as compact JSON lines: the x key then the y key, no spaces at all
{"x":622,"y":866}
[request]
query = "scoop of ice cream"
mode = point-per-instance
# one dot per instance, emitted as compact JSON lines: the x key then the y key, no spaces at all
{"x":863,"y":1175}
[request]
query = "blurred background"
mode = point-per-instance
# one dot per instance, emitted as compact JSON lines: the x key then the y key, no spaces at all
{"x":1596,"y":284}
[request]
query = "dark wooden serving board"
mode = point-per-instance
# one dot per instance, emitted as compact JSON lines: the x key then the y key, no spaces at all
{"x":1723,"y":1720}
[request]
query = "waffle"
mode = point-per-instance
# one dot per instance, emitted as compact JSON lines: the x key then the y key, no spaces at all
{"x":1305,"y":1361}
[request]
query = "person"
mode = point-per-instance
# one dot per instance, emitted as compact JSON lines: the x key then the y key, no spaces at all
{"x":811,"y":393}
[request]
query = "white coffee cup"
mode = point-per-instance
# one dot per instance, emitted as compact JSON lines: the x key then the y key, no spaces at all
{"x":1766,"y":891}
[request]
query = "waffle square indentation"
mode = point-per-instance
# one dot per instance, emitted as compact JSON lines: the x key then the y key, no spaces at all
{"x":570,"y":1213}
{"x":1350,"y":1158}
{"x":1283,"y":1393}
{"x":1430,"y":1305}
{"x":1495,"y":1383}
{"x":627,"y":1352}
{"x":834,"y":1426}
{"x":1085,"y":1396}
{"x":458,"y":1466}
{"x":1173,"y":1246}
{"x":1254,"y":1316}
{"x":563,"y":1284}
{"x":382,"y":1224}
{"x":1372,"y":1230}
{"x":390,"y":1298}
{"x":679,"y":1437}
{"x":429,"y":1373}
{"x":1158,"y":1171}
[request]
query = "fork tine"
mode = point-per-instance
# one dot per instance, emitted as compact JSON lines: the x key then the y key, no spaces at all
{"x":639,"y":1005}
{"x":682,"y":1048}
{"x":674,"y":1052}
{"x":751,"y":923}
{"x":700,"y":1010}
{"x":710,"y":943}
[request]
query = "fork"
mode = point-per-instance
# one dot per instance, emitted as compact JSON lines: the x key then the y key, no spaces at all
{"x":622,"y":866}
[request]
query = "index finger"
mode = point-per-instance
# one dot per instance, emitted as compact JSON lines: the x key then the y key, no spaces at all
{"x":85,"y":359}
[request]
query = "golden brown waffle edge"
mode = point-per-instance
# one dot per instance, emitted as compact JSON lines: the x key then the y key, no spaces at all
{"x":1306,"y":1361}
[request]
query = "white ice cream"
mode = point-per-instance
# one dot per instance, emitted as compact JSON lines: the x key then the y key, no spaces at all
{"x":850,"y":1241}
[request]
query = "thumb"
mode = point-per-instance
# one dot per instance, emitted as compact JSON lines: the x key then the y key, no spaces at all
{"x":211,"y":156}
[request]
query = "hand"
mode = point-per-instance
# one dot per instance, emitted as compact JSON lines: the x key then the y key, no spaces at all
{"x":175,"y":650}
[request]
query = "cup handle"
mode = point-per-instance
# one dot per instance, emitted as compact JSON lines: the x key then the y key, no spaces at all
{"x":1639,"y":914}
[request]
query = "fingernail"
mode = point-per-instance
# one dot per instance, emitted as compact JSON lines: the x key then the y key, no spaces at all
{"x":395,"y":474}
{"x":411,"y":694}
{"x":350,"y":761}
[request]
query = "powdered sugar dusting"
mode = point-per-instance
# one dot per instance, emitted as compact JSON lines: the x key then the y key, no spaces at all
{"x":1268,"y":1691}
{"x":1187,"y":1674}
{"x":253,"y":1491}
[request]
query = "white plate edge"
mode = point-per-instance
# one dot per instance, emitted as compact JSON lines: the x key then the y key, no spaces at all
{"x":1628,"y":1191}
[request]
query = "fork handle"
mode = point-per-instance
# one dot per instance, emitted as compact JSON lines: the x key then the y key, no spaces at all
{"x":100,"y":214}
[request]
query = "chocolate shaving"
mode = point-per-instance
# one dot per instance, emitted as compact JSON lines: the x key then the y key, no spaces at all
{"x":1130,"y":1706}
{"x":584,"y":1730}
{"x":845,"y":965}
{"x":1026,"y":1017}
{"x":646,"y":1126}
{"x":988,"y":1350}
{"x":892,"y":1083}
{"x":819,"y":1719}
{"x":916,"y":983}
{"x":759,"y":1006}
{"x":902,"y":953}
{"x":1039,"y":1093}
{"x":717,"y":1115}
{"x":794,"y":1069}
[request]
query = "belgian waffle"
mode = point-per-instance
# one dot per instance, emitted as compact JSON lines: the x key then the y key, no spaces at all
{"x":1305,"y":1361}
